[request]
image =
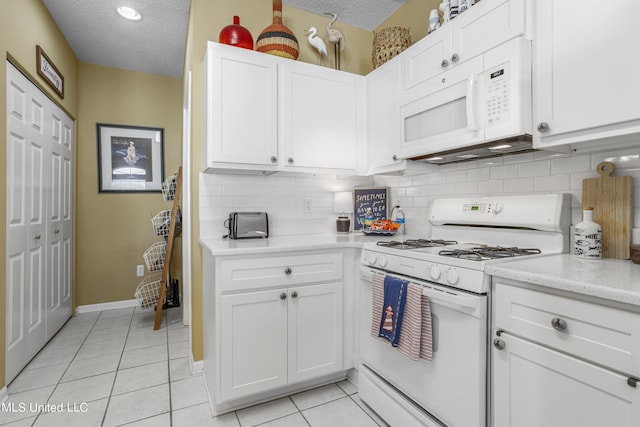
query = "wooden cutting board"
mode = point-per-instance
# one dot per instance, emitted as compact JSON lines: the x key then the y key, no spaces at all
{"x":610,"y":198}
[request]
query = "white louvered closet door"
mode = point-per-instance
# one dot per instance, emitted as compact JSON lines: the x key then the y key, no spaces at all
{"x":39,"y":200}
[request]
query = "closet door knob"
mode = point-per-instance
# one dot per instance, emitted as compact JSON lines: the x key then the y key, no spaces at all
{"x":455,"y":57}
{"x":444,"y":63}
{"x":499,"y":344}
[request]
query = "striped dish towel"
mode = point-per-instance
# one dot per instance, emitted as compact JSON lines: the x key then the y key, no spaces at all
{"x":416,"y":341}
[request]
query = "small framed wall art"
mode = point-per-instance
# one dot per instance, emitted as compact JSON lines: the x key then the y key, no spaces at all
{"x":49,"y":72}
{"x":130,"y":158}
{"x":369,"y":198}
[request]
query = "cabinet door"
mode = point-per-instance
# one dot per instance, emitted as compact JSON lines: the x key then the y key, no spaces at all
{"x":315,"y":331}
{"x":586,"y":81}
{"x":240,"y":107}
{"x":427,"y":58}
{"x":321,"y":117}
{"x":486,"y":25}
{"x":253,"y":342}
{"x":535,"y":386}
{"x":383,"y":91}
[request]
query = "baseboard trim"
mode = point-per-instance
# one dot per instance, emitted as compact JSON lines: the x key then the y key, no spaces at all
{"x":4,"y":394}
{"x":107,"y":306}
{"x":196,"y":367}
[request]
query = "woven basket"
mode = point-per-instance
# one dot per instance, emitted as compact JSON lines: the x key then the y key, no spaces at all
{"x":277,"y":39}
{"x":388,"y":43}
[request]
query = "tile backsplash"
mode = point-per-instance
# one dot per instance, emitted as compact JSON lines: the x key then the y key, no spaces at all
{"x":283,"y":196}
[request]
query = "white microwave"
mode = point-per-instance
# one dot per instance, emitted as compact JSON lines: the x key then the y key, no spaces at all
{"x":462,"y":113}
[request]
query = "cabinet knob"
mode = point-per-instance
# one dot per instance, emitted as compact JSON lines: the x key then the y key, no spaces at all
{"x":57,"y":231}
{"x":455,"y":57}
{"x":395,"y":157}
{"x":558,"y":324}
{"x":37,"y":237}
{"x":499,"y":343}
{"x":290,"y":160}
{"x":294,"y":294}
{"x":274,"y":159}
{"x":543,"y":127}
{"x":283,"y":296}
{"x":444,"y":63}
{"x":288,"y":271}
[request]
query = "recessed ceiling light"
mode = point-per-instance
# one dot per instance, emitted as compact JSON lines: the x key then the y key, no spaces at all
{"x":129,"y":13}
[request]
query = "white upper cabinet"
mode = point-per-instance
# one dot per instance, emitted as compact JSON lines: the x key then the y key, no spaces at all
{"x":321,"y":119}
{"x":586,"y":83}
{"x":240,"y":108}
{"x":269,"y":114}
{"x":485,"y":25}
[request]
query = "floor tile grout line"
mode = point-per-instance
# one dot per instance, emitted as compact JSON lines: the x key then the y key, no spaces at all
{"x":115,"y":377}
{"x":55,"y":386}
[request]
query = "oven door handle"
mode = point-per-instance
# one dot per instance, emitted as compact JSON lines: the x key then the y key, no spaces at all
{"x":453,"y":300}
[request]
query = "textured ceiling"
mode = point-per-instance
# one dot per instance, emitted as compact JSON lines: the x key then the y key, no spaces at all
{"x":156,"y":44}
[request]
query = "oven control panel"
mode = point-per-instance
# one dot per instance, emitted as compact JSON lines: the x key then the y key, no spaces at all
{"x":485,"y":208}
{"x":433,"y":272}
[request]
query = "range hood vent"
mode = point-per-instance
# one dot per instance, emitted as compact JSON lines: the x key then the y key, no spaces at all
{"x":503,"y":147}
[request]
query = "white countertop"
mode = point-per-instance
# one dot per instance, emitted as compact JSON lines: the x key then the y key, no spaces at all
{"x":611,"y":279}
{"x":218,"y":246}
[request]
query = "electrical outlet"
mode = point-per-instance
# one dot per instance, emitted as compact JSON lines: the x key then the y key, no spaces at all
{"x":307,"y":206}
{"x":140,"y":270}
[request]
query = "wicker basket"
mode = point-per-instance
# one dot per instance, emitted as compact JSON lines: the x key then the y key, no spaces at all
{"x":388,"y":43}
{"x":148,"y":291}
{"x":155,"y":255}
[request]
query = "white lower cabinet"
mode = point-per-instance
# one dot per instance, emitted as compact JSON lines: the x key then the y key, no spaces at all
{"x":561,"y":362}
{"x":272,"y":324}
{"x":272,"y":338}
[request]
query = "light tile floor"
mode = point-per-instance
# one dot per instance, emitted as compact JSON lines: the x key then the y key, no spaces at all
{"x":111,"y":368}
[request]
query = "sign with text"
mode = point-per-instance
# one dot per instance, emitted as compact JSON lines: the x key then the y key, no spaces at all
{"x":374,"y":198}
{"x":49,"y":72}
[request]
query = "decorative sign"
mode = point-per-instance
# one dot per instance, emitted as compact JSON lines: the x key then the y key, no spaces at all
{"x":374,"y":198}
{"x":48,"y":71}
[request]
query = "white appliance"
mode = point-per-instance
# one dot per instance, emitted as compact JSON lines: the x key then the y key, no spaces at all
{"x":468,"y":234}
{"x":460,"y":114}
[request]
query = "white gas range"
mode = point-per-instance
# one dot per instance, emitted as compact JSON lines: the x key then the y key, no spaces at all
{"x":467,"y":234}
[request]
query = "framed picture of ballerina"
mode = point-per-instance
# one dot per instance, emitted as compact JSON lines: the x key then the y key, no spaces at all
{"x":130,"y":158}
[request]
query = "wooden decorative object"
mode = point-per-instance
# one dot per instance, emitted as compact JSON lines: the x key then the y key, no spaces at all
{"x":610,"y":198}
{"x":277,"y":39}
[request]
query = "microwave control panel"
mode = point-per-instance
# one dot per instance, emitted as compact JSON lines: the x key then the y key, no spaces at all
{"x":497,"y":95}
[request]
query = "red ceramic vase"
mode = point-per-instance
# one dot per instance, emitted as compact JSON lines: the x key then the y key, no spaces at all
{"x":236,"y":35}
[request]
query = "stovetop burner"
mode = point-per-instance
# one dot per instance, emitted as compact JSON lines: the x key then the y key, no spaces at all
{"x":488,"y":252}
{"x":416,"y":243}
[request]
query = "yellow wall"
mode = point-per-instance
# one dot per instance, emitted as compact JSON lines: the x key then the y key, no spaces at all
{"x":414,"y":15}
{"x":114,"y":229}
{"x":23,"y":25}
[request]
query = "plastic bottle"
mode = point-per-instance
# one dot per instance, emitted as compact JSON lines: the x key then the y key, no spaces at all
{"x":587,"y":242}
{"x":368,"y":218}
{"x":400,"y":220}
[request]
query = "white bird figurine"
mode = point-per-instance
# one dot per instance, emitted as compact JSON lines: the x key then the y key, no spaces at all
{"x":317,"y":41}
{"x":335,"y":36}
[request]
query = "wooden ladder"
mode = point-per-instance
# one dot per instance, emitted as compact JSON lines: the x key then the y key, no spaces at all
{"x":167,"y":259}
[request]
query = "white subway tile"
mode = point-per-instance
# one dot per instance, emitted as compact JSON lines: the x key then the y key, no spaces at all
{"x":456,"y":176}
{"x":518,"y":185}
{"x":571,"y":164}
{"x":537,"y":168}
{"x":429,"y":190}
{"x":412,"y":191}
{"x":447,"y":189}
{"x":518,"y":158}
{"x":623,"y":159}
{"x":479,"y":174}
{"x":552,"y":183}
{"x":437,"y":178}
{"x":547,"y":155}
{"x":577,"y":178}
{"x":494,"y":186}
{"x":467,"y":188}
{"x":503,"y":172}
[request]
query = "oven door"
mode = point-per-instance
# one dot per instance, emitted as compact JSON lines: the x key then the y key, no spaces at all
{"x":451,"y":388}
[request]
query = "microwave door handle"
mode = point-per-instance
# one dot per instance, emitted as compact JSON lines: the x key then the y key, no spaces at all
{"x":471,"y":111}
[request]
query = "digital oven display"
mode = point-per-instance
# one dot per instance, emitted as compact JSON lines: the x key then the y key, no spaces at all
{"x":496,"y":74}
{"x":476,"y":208}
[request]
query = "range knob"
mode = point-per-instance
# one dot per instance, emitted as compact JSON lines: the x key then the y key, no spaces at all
{"x":498,"y":208}
{"x":453,"y":276}
{"x":435,"y":272}
{"x":382,"y":260}
{"x":371,"y":258}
